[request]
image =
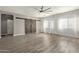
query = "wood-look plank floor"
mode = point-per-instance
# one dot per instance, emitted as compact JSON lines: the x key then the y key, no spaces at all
{"x":39,"y":43}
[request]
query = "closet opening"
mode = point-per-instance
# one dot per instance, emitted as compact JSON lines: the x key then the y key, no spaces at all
{"x":6,"y":25}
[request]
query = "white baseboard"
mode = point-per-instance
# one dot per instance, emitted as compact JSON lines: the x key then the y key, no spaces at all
{"x":18,"y":34}
{"x":73,"y":36}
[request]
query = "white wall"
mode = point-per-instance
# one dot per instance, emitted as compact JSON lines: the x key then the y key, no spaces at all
{"x":73,"y":22}
{"x":38,"y":26}
{"x":19,"y":27}
{"x":0,"y":25}
{"x":9,"y":26}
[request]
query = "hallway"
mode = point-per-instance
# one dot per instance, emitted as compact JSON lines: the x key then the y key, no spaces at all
{"x":39,"y":43}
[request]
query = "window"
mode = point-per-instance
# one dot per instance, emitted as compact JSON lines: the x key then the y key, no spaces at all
{"x":62,"y":24}
{"x":48,"y":26}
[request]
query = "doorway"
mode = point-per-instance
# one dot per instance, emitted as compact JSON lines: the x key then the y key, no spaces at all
{"x":6,"y":25}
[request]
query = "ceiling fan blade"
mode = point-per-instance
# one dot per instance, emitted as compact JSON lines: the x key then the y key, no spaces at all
{"x":42,"y":8}
{"x":36,"y":9}
{"x":46,"y":9}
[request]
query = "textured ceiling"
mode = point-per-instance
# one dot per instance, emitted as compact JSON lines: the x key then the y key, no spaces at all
{"x":32,"y":12}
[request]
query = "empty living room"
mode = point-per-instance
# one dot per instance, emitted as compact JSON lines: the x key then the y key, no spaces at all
{"x":39,"y":29}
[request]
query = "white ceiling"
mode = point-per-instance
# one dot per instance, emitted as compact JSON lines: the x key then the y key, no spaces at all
{"x":31,"y":12}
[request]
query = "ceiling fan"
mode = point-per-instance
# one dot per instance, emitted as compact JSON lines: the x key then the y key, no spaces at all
{"x":42,"y":9}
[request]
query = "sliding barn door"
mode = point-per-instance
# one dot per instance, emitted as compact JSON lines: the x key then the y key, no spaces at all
{"x":30,"y":26}
{"x":27,"y":26}
{"x":33,"y":24}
